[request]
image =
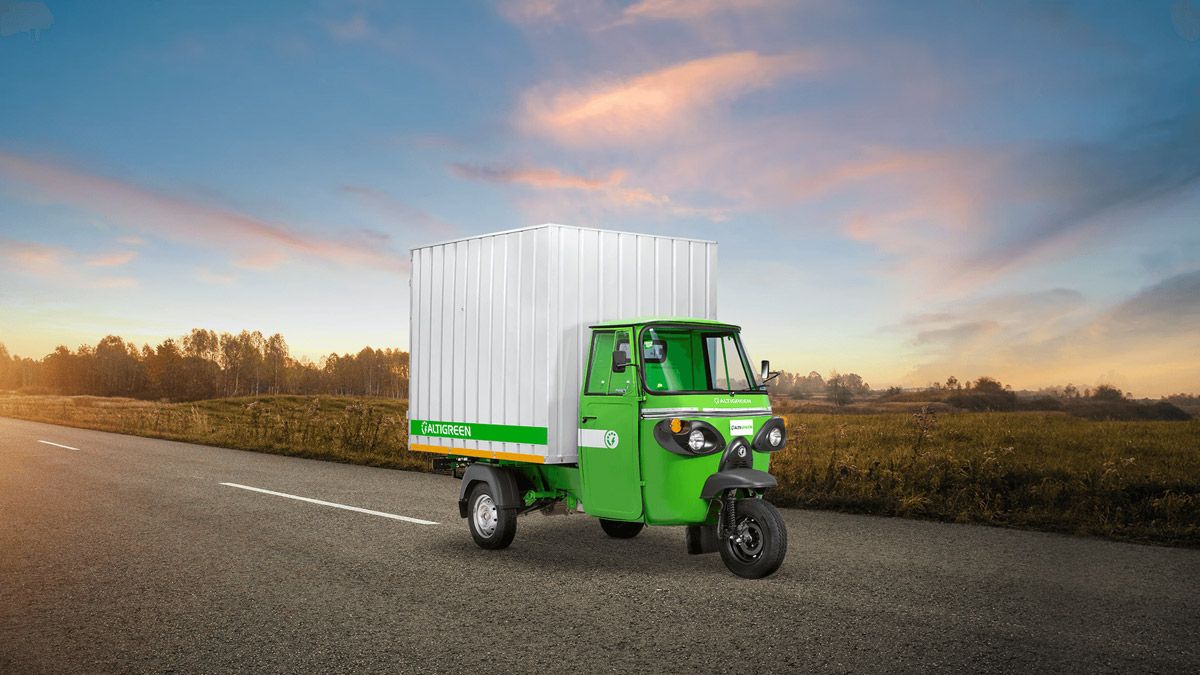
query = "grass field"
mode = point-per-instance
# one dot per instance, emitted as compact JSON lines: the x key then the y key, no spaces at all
{"x":1124,"y":480}
{"x":341,"y":429}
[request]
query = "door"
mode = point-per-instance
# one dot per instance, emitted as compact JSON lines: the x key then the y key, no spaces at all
{"x":608,"y":425}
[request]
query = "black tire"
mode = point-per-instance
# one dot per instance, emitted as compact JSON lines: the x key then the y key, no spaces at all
{"x":764,"y":540}
{"x":482,"y":512}
{"x":620,"y":529}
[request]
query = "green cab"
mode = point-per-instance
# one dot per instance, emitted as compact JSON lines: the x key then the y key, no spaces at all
{"x":675,"y":428}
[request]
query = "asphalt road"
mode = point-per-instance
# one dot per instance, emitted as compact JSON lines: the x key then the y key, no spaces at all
{"x":128,"y":554}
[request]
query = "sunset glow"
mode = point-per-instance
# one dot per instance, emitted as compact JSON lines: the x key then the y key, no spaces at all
{"x":1006,"y":189}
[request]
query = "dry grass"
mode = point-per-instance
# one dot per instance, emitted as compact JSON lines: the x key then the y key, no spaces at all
{"x":342,"y":429}
{"x":1125,"y":480}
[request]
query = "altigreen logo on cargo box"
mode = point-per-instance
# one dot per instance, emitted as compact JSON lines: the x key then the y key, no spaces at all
{"x":473,"y":431}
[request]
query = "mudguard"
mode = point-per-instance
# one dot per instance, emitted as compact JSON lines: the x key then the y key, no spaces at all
{"x":504,"y":486}
{"x":731,"y":479}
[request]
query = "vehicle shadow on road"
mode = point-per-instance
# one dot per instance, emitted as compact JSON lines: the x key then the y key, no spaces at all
{"x":577,"y":543}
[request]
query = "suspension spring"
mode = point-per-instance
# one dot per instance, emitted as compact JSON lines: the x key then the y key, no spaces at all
{"x":730,"y":512}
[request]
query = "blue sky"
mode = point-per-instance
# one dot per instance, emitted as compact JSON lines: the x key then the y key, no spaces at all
{"x":904,"y":190}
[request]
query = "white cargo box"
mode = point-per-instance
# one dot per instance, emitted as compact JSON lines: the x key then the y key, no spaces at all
{"x":498,"y":330}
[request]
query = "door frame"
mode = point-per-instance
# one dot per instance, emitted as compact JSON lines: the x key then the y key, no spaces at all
{"x":623,"y":480}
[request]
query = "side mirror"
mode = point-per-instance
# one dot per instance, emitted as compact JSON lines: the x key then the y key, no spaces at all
{"x":767,"y":373}
{"x":620,"y":359}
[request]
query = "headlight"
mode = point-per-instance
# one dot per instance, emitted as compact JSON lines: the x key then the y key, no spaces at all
{"x":775,"y":437}
{"x":691,"y":438}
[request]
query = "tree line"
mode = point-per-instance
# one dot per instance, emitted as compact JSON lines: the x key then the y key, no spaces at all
{"x":205,"y":364}
{"x":841,"y":388}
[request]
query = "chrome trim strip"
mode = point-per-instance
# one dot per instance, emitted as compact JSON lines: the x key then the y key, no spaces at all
{"x":658,"y":413}
{"x":669,"y":412}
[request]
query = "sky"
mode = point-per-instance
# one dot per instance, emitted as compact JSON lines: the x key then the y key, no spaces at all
{"x":908,"y":191}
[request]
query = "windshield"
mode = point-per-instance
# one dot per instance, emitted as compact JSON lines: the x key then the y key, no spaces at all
{"x":678,"y":360}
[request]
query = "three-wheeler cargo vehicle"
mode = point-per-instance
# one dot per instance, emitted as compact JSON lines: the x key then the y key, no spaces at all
{"x":534,"y":381}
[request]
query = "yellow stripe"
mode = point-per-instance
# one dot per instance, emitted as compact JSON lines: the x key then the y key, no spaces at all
{"x":486,"y":454}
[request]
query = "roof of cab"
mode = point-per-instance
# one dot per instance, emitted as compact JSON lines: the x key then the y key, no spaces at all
{"x":642,"y":320}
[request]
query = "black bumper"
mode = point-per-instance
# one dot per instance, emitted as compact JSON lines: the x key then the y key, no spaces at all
{"x":732,"y":479}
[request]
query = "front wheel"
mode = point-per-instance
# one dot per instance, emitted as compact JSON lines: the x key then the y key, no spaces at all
{"x":758,"y":543}
{"x":491,"y":526}
{"x":620,"y":529}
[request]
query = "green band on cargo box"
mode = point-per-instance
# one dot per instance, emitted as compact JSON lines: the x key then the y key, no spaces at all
{"x":474,"y":431}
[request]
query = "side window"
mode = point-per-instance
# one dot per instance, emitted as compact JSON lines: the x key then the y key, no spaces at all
{"x":725,"y":368}
{"x":620,"y":381}
{"x":602,"y":380}
{"x":600,"y":364}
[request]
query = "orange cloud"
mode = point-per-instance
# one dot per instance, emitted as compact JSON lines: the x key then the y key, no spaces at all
{"x":33,"y":258}
{"x":195,"y":223}
{"x":657,"y":103}
{"x":928,"y":210}
{"x":57,"y":264}
{"x":112,"y":259}
{"x":878,"y":163}
{"x":536,"y":177}
{"x":689,"y":10}
{"x":611,"y":187}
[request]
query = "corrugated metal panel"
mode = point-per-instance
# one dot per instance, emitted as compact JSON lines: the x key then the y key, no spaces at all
{"x":499,"y":329}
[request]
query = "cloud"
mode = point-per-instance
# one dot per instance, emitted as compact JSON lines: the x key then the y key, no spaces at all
{"x":535,"y":177}
{"x":262,"y":260}
{"x":875,"y":163}
{"x":963,"y":216}
{"x":151,"y":212}
{"x":1146,"y":342}
{"x":1034,"y":305}
{"x":1083,"y":189}
{"x":691,"y":10}
{"x":1032,"y":310}
{"x":34,"y":258}
{"x":611,"y":188}
{"x":958,"y":334}
{"x":112,"y":259}
{"x":24,"y":17}
{"x":402,"y":211}
{"x":649,"y":106}
{"x":131,"y":241}
{"x":59,"y":265}
{"x":1172,"y":305}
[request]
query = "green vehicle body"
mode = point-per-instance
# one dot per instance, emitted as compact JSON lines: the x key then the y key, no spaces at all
{"x":633,"y":478}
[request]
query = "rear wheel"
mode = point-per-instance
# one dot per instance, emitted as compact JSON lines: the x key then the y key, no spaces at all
{"x":758,"y":543}
{"x":620,"y":529}
{"x":491,"y":526}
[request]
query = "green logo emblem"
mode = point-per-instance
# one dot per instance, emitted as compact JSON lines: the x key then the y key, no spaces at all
{"x":611,"y":439}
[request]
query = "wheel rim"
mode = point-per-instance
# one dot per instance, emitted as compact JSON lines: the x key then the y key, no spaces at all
{"x":747,"y":543}
{"x":484,"y":515}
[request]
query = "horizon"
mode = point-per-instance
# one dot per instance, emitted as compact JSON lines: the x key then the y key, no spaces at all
{"x":951,"y":381}
{"x":1004,"y":190}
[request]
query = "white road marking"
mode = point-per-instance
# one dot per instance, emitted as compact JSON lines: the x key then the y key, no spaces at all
{"x":58,"y":445}
{"x":335,"y":505}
